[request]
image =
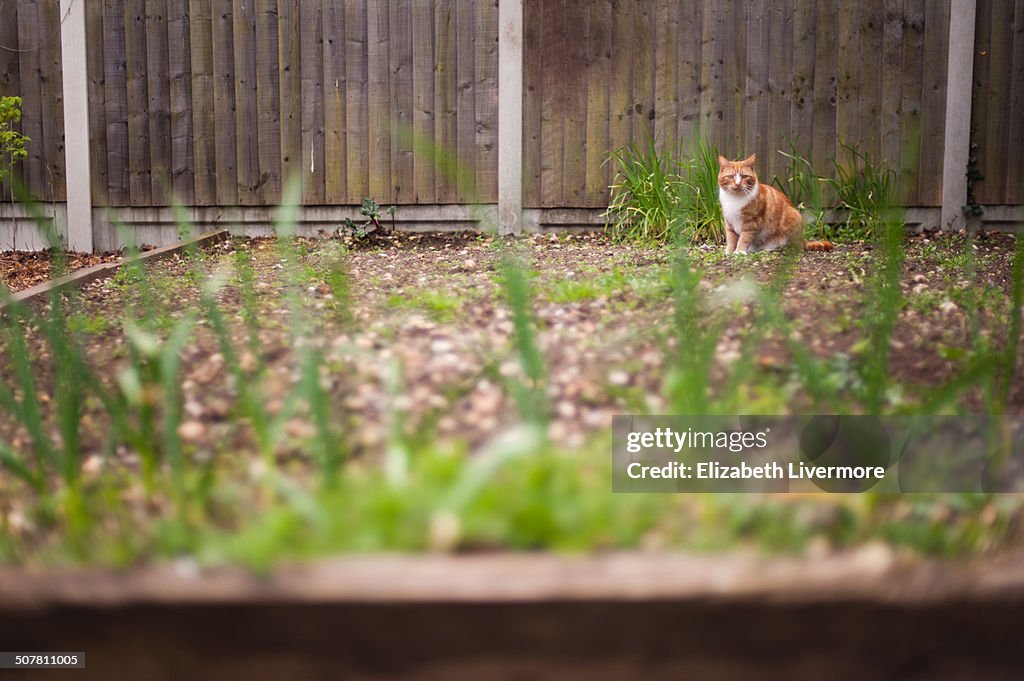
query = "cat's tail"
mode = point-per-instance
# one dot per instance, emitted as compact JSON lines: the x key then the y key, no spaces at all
{"x":818,"y":246}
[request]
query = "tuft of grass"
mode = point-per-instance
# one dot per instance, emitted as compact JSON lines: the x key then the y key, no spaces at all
{"x":866,"y":189}
{"x":646,"y":193}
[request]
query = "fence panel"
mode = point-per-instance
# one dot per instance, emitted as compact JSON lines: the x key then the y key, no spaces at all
{"x":219,"y":102}
{"x":30,"y":67}
{"x":997,"y":114}
{"x":764,"y":76}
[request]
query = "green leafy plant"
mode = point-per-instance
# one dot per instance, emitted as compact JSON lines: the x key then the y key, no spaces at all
{"x":866,"y":189}
{"x":646,"y":193}
{"x":370,"y":210}
{"x":12,"y":142}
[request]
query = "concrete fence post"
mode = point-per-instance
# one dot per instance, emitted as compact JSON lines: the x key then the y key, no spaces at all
{"x":959,"y":89}
{"x":76,"y":125}
{"x":510,"y":116}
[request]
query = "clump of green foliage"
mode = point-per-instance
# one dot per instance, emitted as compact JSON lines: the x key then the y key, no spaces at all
{"x":12,"y":141}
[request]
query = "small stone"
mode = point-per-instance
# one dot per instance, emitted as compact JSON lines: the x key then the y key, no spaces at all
{"x":618,"y":377}
{"x":948,"y":307}
{"x":191,"y":431}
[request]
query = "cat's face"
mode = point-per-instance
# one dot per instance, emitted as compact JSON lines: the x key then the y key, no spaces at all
{"x":737,"y":177}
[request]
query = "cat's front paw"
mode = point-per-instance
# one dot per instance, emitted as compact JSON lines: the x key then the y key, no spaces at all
{"x":742,"y":251}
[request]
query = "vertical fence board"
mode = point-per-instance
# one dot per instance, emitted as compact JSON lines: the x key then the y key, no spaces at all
{"x":180,"y":64}
{"x":115,"y":104}
{"x":599,"y":47}
{"x":913,"y":51}
{"x":754,"y":88}
{"x":802,"y":91}
{"x":356,"y":112}
{"x":52,"y":106}
{"x":734,"y":76}
{"x":335,"y":115}
{"x":574,"y":113}
{"x":533,"y":66}
{"x":224,"y":102}
{"x":465,"y":144}
{"x":290,"y":83}
{"x":933,"y":101}
{"x":995,"y":122}
{"x":33,"y":171}
{"x":243,"y":25}
{"x":666,"y":64}
{"x":203,"y":127}
{"x":446,"y":103}
{"x":140,"y":182}
{"x":268,"y":98}
{"x":312,"y":64}
{"x":378,"y":96}
{"x":400,"y":101}
{"x":158,"y":90}
{"x":826,"y":84}
{"x":485,"y":66}
{"x":869,"y":100}
{"x":711,"y":76}
{"x":1014,"y":150}
{"x":689,"y":76}
{"x":97,"y":112}
{"x":620,"y":93}
{"x":643,"y":68}
{"x":424,"y":67}
{"x":892,"y":85}
{"x":553,"y":36}
{"x":847,"y":118}
{"x":777,"y":125}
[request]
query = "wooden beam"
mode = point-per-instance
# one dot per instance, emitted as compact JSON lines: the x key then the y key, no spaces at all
{"x":959,"y":85}
{"x":76,"y":125}
{"x":510,"y":117}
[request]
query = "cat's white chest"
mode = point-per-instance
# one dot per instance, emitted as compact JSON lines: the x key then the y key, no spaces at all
{"x":733,"y":205}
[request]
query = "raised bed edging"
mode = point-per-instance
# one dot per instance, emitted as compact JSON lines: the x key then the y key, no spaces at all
{"x":102,"y":271}
{"x":660,"y":617}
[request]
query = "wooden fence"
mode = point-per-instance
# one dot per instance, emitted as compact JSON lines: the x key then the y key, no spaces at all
{"x":218,"y":102}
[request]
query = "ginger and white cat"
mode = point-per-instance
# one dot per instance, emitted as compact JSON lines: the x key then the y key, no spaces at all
{"x":758,"y":217}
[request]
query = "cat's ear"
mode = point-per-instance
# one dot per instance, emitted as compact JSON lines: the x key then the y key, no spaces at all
{"x":722,"y":161}
{"x":749,"y":161}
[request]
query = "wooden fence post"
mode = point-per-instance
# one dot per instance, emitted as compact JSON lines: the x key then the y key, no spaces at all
{"x":959,"y":89}
{"x":76,"y":125}
{"x":510,"y":116}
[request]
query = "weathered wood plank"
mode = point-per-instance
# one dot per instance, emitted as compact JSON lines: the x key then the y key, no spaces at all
{"x":97,"y":106}
{"x":33,"y":167}
{"x":533,"y":76}
{"x":892,"y":83}
{"x":643,"y":70}
{"x":52,"y":93}
{"x":247,"y":112}
{"x":290,"y":83}
{"x":598,"y":87}
{"x":847,"y":114}
{"x":356,"y":111}
{"x":711,"y":75}
{"x":620,"y":93}
{"x":575,"y":87}
{"x":869,"y":101}
{"x":776,"y":128}
{"x":268,"y":98}
{"x":485,"y":59}
{"x":424,"y":65}
{"x":1015,"y":146}
{"x":335,"y":86}
{"x":689,"y":74}
{"x":179,"y":37}
{"x":115,"y":89}
{"x":826,"y":90}
{"x":734,"y":77}
{"x":312,"y":65}
{"x":1000,"y":51}
{"x":224,"y":103}
{"x":753,"y":86}
{"x":400,"y":101}
{"x":465,"y":23}
{"x":204,"y":156}
{"x":139,"y":150}
{"x":157,"y":79}
{"x":553,"y":35}
{"x":933,"y":102}
{"x":378,"y":97}
{"x":802,"y":93}
{"x":913,"y":51}
{"x":666,"y":64}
